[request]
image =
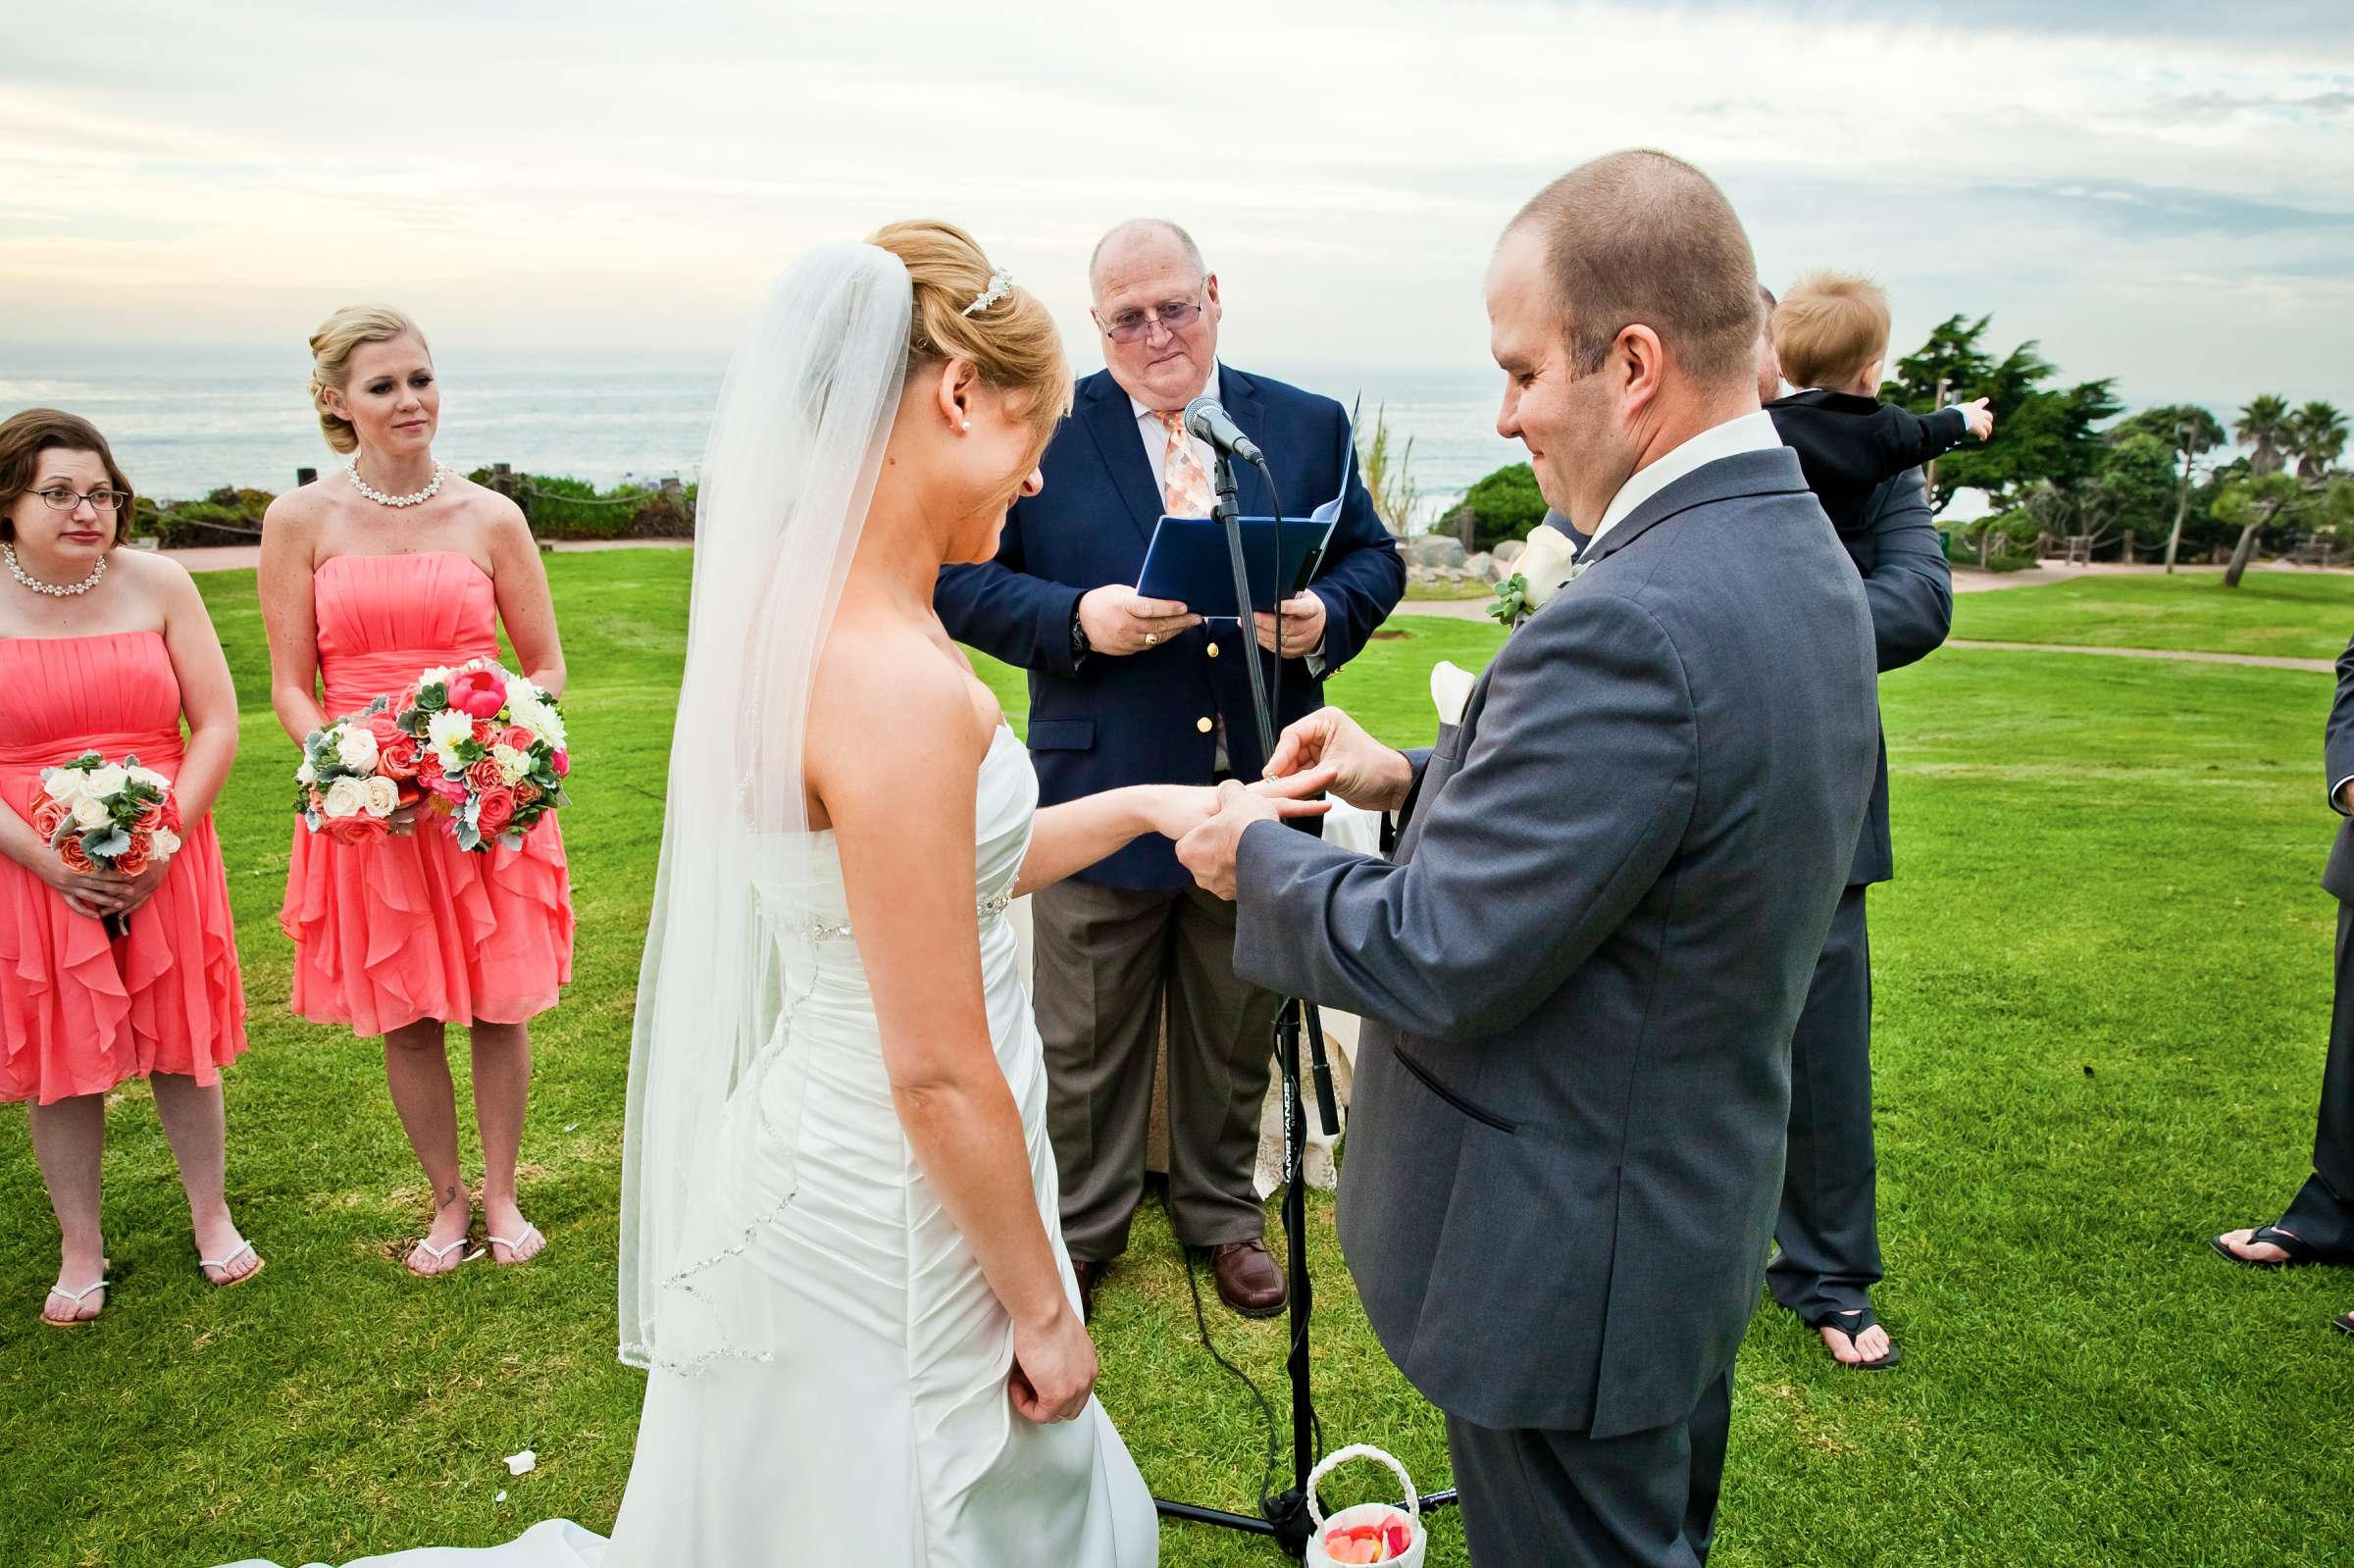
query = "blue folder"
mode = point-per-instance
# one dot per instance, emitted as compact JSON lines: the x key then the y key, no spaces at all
{"x":1188,"y":562}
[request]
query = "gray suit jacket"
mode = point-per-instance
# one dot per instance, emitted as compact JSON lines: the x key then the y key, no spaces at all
{"x":1582,"y":969}
{"x":2338,"y":747}
{"x":1911,"y":591}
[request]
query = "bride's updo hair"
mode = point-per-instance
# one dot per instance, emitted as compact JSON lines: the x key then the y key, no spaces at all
{"x":331,"y":348}
{"x":1012,"y":341}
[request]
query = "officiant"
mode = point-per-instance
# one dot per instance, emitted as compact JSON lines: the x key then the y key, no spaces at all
{"x":1125,"y":689}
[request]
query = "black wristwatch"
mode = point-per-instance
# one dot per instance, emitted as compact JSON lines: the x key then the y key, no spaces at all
{"x":1080,"y":647}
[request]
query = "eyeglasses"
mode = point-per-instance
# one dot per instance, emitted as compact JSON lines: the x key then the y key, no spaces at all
{"x":65,"y":500}
{"x":1129,"y":326}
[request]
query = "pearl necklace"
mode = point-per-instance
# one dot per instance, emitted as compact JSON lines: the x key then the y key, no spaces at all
{"x":54,"y":590}
{"x":368,"y":490}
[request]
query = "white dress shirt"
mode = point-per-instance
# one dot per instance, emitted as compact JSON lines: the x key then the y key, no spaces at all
{"x":1749,"y":433}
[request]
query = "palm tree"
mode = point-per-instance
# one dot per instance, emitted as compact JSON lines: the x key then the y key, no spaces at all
{"x":2264,"y":426}
{"x":2317,"y":435}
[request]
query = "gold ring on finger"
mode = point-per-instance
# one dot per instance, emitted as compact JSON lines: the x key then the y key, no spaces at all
{"x":1150,"y":638}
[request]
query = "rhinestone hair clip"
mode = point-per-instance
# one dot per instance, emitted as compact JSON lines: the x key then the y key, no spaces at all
{"x":1000,"y":283}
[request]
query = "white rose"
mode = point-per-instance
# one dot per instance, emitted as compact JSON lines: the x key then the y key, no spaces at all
{"x":167,"y":844}
{"x":1450,"y":688}
{"x":444,"y":729}
{"x":90,"y":811}
{"x":1546,"y":565}
{"x":512,"y":764}
{"x":521,"y":691}
{"x":306,"y":774}
{"x":382,"y":796}
{"x":345,"y":797}
{"x":355,"y":748}
{"x":62,"y":785}
{"x":438,"y":676}
{"x":150,"y":777}
{"x":105,"y":783}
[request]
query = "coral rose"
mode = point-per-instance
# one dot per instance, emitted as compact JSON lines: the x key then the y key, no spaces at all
{"x":384,"y":725}
{"x":47,"y":814}
{"x":70,"y":854}
{"x":497,"y":810}
{"x":486,"y":773}
{"x":398,"y":758}
{"x":150,"y":819}
{"x":478,"y":692}
{"x":518,"y":736}
{"x":134,"y":860}
{"x":172,"y":812}
{"x":360,"y":830}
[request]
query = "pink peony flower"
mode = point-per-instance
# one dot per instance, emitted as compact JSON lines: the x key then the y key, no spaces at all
{"x":480,"y":693}
{"x":561,"y":762}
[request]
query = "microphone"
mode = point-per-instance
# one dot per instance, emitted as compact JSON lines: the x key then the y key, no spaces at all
{"x":1207,"y":418}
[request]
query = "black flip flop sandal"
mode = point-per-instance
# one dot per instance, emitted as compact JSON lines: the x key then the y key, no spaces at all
{"x":1853,"y":1324}
{"x":2299,"y":1251}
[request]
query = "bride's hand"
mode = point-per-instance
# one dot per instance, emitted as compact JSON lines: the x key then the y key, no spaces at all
{"x":1175,"y":810}
{"x":1053,"y":1369}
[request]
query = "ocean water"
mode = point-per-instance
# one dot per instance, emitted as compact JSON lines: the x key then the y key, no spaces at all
{"x":185,"y":418}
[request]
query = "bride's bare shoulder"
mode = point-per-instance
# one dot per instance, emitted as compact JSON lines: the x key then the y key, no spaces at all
{"x":893,"y":683}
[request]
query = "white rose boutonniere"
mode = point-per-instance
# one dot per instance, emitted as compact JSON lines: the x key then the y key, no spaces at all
{"x":1545,"y":567}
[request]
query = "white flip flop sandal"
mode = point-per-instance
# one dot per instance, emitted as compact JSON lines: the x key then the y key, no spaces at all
{"x":77,"y":1297}
{"x":436,"y":1253}
{"x":258,"y":1263}
{"x":529,"y":1230}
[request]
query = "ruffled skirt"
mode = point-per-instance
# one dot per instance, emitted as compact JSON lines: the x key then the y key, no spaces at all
{"x":81,"y":1012}
{"x":399,"y":930}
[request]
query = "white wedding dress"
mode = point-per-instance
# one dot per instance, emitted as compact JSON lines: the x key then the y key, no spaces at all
{"x":879,"y":1433}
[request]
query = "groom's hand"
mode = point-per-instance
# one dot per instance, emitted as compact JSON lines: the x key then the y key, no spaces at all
{"x":1208,"y":851}
{"x":1366,"y":773}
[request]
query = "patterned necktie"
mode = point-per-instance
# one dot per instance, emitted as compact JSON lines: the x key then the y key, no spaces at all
{"x":1184,"y":484}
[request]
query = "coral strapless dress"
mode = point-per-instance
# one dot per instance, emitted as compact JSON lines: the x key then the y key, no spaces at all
{"x":81,"y":1013}
{"x":413,"y":927}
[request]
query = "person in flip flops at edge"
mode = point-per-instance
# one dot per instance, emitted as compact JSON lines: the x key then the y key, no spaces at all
{"x":2318,"y":1225}
{"x":109,"y":651}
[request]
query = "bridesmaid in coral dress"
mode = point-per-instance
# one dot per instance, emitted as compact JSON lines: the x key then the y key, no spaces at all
{"x":107,"y":651}
{"x":368,"y":578}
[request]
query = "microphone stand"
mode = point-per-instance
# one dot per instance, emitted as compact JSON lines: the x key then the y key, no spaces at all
{"x":1284,"y":1518}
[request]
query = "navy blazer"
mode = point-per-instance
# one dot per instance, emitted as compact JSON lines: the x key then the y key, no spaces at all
{"x":1147,"y":718}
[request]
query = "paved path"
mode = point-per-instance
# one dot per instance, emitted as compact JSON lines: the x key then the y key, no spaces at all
{"x":2261,"y":661}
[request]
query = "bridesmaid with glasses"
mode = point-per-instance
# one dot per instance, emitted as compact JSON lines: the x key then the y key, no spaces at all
{"x":110,"y":651}
{"x":369,"y":576}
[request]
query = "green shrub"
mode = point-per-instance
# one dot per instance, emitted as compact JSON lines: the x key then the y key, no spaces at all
{"x":1503,"y":505}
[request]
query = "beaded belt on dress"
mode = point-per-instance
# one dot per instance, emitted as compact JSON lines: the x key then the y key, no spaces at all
{"x":827,"y":930}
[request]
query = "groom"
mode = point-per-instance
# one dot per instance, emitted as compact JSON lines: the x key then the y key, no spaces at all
{"x":1582,"y":968}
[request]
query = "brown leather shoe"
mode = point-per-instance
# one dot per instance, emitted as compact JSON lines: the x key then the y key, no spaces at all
{"x":1248,"y":1279}
{"x":1089,"y":1274}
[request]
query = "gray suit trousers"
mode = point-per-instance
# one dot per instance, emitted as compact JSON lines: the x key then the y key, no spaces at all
{"x":1111,"y":962}
{"x":1829,"y":1227}
{"x":1565,"y":1499}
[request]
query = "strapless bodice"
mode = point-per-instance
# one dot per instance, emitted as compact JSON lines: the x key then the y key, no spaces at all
{"x":383,"y":618}
{"x":112,"y":693}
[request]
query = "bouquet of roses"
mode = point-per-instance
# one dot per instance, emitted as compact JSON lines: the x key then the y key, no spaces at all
{"x":117,"y":816}
{"x":493,"y":750}
{"x":355,"y":773}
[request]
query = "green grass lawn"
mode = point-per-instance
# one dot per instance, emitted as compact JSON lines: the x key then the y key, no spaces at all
{"x":2102,"y":991}
{"x":2297,"y":615}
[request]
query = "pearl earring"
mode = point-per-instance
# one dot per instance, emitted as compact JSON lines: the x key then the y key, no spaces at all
{"x":966,"y":426}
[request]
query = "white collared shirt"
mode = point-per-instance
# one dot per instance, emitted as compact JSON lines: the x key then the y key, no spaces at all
{"x":1749,"y":433}
{"x":1155,"y":437}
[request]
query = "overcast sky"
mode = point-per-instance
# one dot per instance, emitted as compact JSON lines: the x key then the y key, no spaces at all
{"x":2154,"y":193}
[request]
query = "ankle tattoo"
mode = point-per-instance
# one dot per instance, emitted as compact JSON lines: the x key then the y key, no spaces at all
{"x":449,"y":1198}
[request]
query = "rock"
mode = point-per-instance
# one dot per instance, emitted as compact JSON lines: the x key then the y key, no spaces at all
{"x":1509,"y":551}
{"x":1484,"y":568}
{"x":1436,"y":550}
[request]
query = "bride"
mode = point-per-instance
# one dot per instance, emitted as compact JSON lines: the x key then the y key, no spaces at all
{"x":841,"y":1262}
